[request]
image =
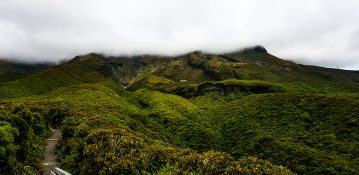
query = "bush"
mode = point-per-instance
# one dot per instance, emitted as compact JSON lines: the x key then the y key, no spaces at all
{"x":21,"y":141}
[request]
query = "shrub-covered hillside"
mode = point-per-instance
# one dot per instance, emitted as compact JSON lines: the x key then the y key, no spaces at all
{"x":310,"y":134}
{"x":246,"y":112}
{"x":138,"y":133}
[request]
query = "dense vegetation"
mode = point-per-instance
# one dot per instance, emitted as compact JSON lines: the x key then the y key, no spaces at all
{"x":246,"y":112}
{"x":22,"y":136}
{"x":94,"y":147}
{"x":310,"y":134}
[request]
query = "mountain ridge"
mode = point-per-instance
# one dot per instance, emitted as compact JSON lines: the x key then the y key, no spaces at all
{"x":161,"y":72}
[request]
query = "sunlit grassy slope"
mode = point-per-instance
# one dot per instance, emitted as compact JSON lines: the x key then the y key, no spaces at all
{"x":246,"y":112}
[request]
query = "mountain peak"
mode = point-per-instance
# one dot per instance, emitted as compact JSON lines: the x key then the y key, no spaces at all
{"x":260,"y":49}
{"x":87,"y":57}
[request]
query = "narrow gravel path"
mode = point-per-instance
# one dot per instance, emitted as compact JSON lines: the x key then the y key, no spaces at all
{"x":50,"y":156}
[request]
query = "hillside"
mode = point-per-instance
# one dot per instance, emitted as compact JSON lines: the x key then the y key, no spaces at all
{"x":246,"y":112}
{"x":16,"y":67}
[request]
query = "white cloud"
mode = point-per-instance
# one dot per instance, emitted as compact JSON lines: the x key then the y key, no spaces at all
{"x":321,"y":32}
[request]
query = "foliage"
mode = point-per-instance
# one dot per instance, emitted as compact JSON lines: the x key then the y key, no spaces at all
{"x":311,"y":134}
{"x":93,"y":148}
{"x":21,"y":141}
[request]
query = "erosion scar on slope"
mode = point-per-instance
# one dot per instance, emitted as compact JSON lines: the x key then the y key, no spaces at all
{"x":50,"y":156}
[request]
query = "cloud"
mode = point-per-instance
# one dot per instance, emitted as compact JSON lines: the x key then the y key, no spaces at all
{"x":320,"y":32}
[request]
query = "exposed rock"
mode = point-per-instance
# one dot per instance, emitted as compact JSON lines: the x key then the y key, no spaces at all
{"x":260,"y":49}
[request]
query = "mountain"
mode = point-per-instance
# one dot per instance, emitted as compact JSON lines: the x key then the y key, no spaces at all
{"x":244,"y":112}
{"x":173,"y":74}
{"x":16,"y":67}
{"x":14,"y":70}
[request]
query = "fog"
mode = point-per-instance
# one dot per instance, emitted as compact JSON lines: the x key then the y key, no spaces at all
{"x":318,"y":32}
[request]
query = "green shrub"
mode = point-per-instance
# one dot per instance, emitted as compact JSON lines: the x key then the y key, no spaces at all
{"x":21,"y":141}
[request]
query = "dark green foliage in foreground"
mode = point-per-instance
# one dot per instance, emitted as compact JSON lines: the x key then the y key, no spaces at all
{"x":294,"y":130}
{"x":21,"y":142}
{"x":117,"y":135}
{"x":109,"y":131}
{"x":92,"y":147}
{"x":311,"y":134}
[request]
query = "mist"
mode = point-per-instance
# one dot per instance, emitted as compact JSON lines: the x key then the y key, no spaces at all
{"x":318,"y":32}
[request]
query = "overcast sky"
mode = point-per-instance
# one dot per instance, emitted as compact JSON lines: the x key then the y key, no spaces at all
{"x":319,"y":32}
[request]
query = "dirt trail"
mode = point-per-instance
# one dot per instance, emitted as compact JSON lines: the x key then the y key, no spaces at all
{"x":50,"y":156}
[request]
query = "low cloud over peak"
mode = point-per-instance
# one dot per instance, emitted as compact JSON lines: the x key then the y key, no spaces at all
{"x":320,"y":32}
